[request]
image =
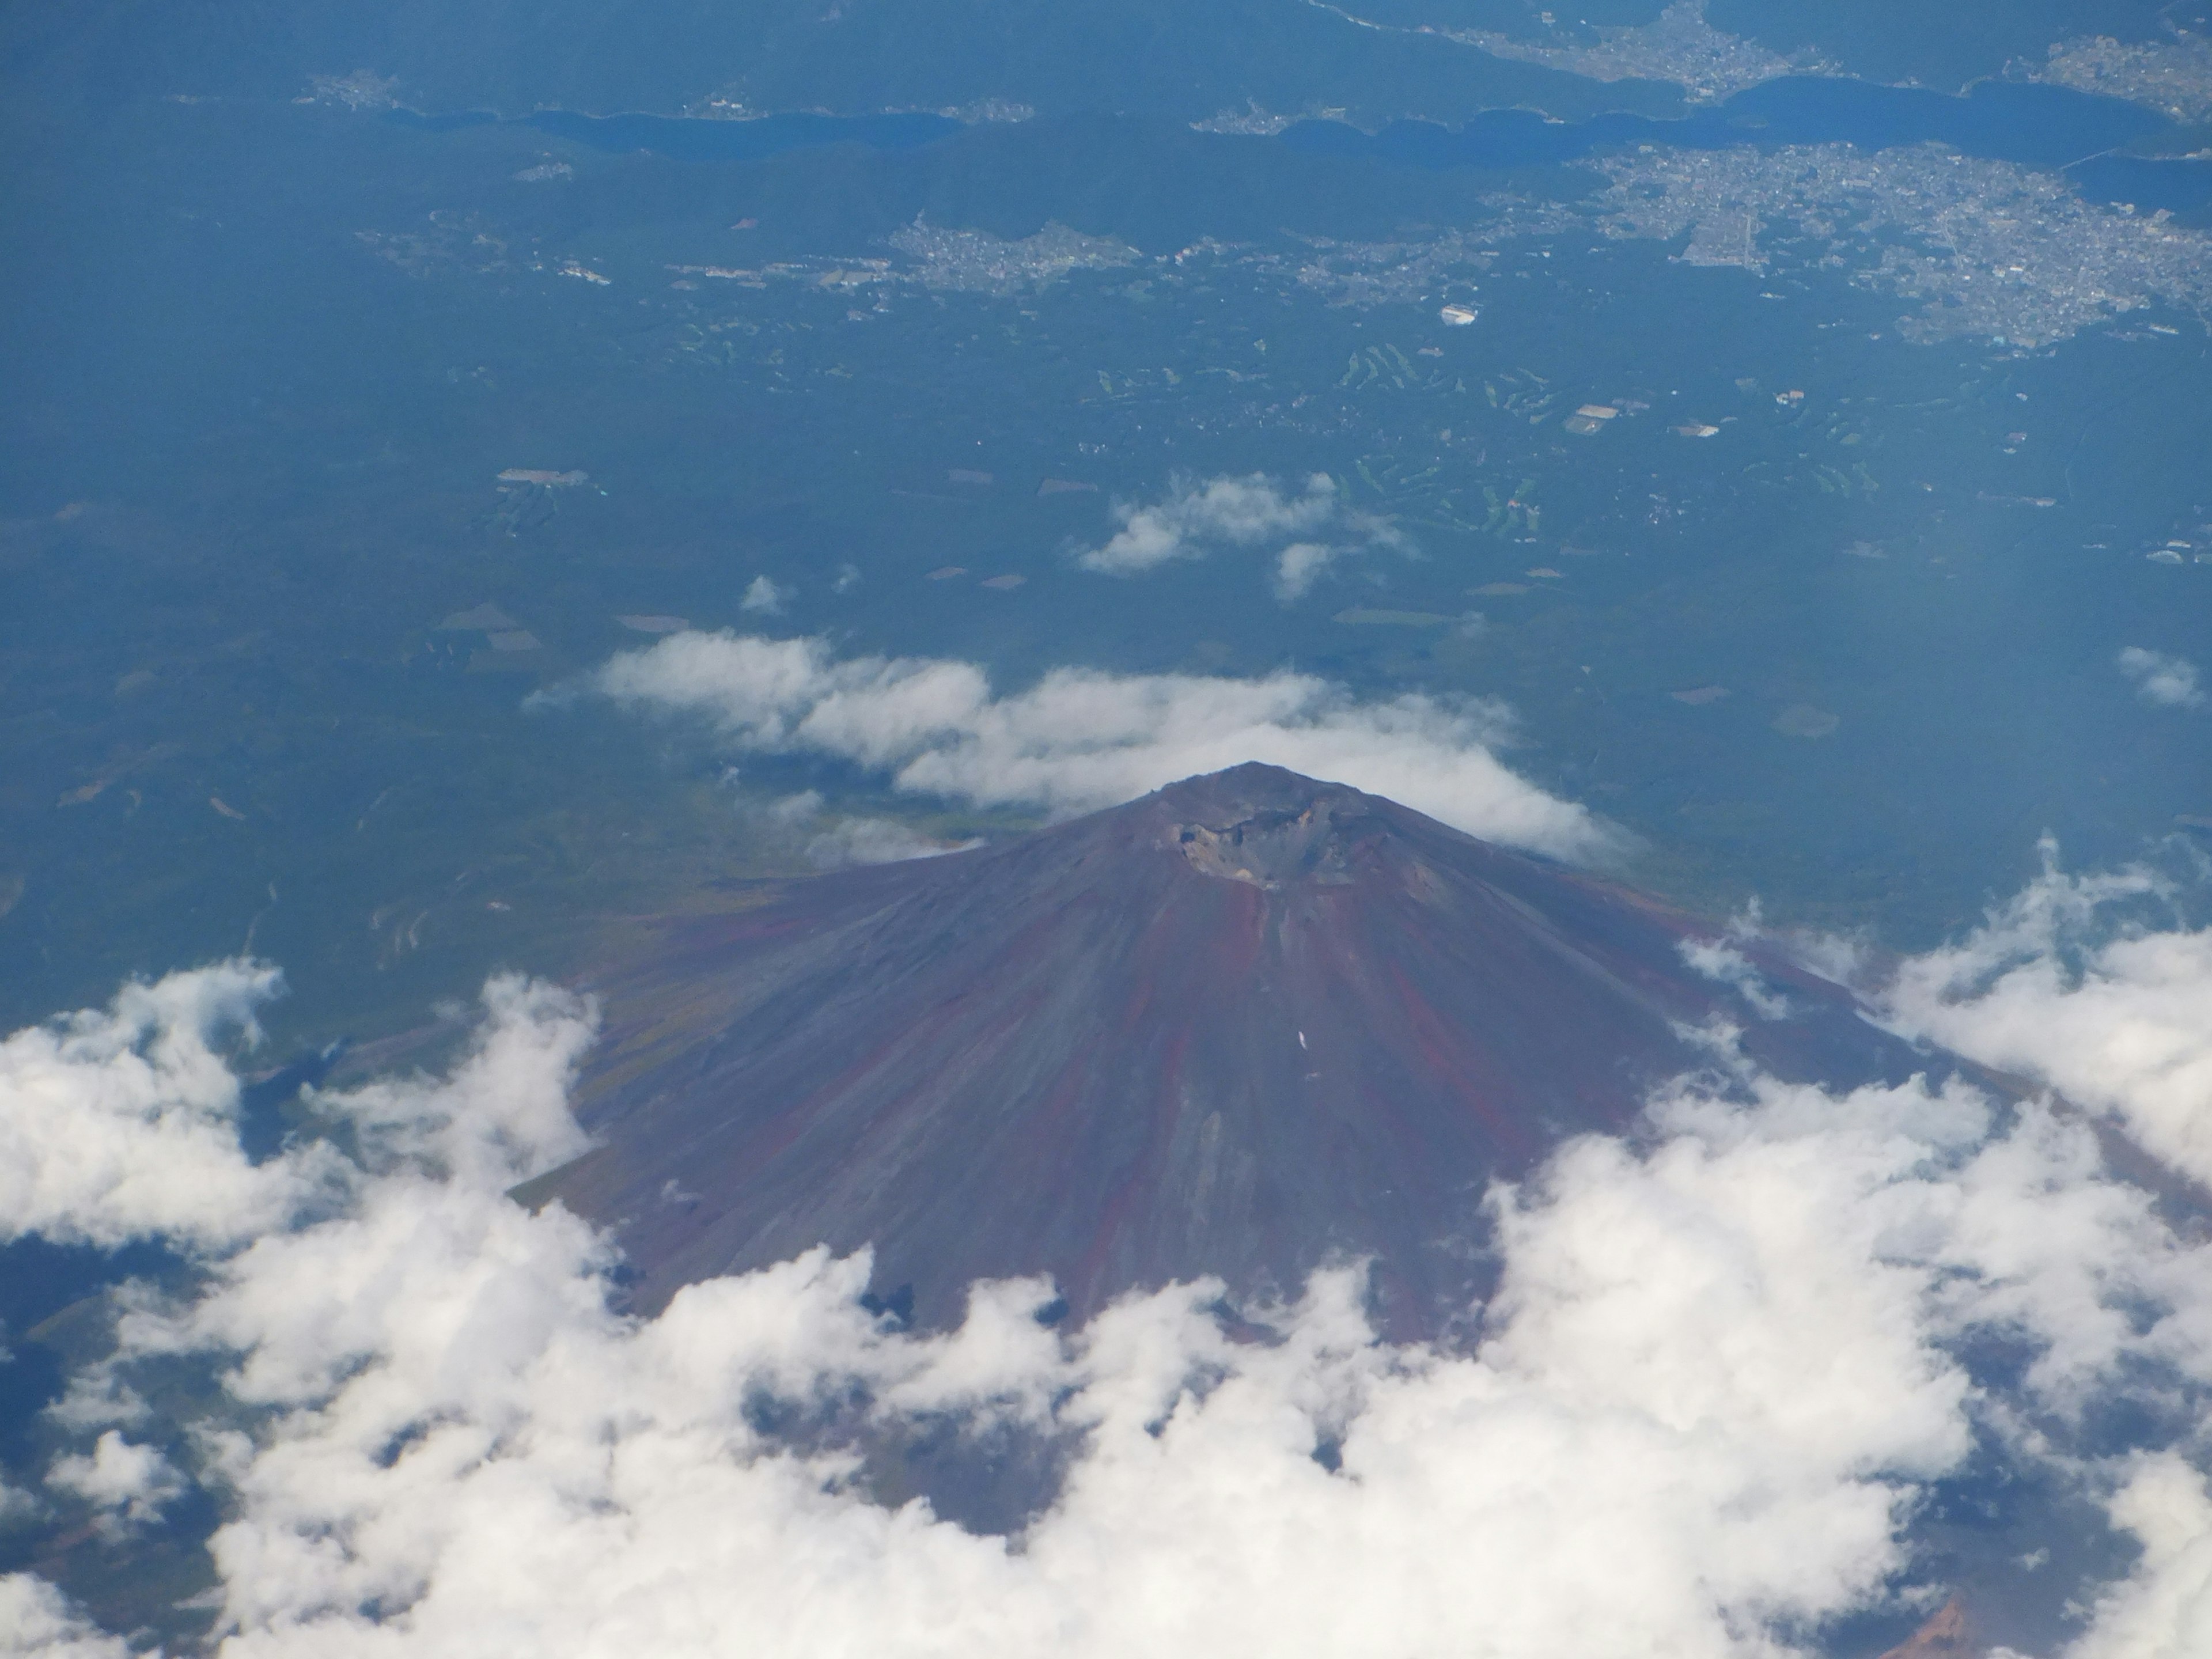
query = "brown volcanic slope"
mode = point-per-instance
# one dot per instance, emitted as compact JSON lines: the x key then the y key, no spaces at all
{"x":1235,"y":1027}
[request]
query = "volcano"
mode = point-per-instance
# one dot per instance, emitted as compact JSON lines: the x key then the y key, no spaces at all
{"x":1241,"y":1026}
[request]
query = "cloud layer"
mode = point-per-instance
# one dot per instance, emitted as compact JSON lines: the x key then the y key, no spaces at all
{"x":1723,"y":1361}
{"x":1311,"y":525}
{"x":1080,"y":738}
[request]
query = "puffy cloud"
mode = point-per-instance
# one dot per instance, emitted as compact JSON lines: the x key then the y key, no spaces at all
{"x":1195,"y":513}
{"x":1196,"y":516}
{"x":1081,"y":738}
{"x":97,"y":1398}
{"x":127,"y":1484}
{"x":503,"y":1114}
{"x":765,"y":597}
{"x":120,"y":1123}
{"x":2168,"y":682}
{"x":2023,"y":1231}
{"x":2058,"y":983}
{"x":1300,"y":565}
{"x":2164,"y":1609}
{"x":36,"y":1622}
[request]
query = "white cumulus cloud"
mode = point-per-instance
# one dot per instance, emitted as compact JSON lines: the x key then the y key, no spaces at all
{"x":1081,"y":738}
{"x":2164,"y":1609}
{"x":1299,"y":566}
{"x":765,"y":597}
{"x":2168,"y":682}
{"x":37,"y":1622}
{"x":2053,"y":984}
{"x":120,"y":1123}
{"x":1198,"y":513}
{"x":127,"y":1484}
{"x":1312,"y":523}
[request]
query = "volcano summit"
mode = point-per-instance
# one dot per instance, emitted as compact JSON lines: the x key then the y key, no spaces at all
{"x":1240,"y":1026}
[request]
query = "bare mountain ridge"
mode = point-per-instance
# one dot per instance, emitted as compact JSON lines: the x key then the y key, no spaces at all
{"x":1241,"y":1026}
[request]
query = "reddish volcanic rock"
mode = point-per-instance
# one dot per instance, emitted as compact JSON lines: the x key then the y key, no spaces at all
{"x":1241,"y":1026}
{"x":1946,"y":1635}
